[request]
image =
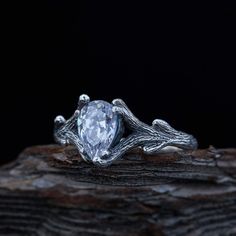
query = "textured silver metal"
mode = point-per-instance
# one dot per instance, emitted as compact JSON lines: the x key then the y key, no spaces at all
{"x":152,"y":139}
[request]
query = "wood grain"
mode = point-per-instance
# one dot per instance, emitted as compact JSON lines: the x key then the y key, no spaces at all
{"x":50,"y":190}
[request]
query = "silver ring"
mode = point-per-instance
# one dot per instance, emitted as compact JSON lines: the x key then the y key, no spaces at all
{"x":104,"y":132}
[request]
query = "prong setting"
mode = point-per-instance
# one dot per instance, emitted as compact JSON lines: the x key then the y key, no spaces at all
{"x":83,"y":100}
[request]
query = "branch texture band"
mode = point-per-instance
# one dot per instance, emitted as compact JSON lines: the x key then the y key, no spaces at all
{"x":104,"y":132}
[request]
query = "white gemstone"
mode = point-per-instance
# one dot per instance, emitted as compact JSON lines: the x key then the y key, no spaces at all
{"x":97,"y":127}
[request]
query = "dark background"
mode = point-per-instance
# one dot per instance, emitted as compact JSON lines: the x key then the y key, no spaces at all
{"x":174,"y":62}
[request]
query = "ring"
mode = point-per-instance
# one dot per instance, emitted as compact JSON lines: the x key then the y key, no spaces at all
{"x":104,"y":132}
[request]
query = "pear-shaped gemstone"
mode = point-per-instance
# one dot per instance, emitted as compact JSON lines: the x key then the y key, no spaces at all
{"x":97,"y":127}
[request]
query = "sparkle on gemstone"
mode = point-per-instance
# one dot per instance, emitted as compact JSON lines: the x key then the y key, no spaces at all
{"x":97,"y":127}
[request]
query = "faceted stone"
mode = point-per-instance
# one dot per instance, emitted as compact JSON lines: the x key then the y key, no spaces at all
{"x":97,"y":127}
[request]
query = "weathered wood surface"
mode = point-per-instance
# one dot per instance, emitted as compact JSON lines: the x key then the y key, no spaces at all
{"x":49,"y":190}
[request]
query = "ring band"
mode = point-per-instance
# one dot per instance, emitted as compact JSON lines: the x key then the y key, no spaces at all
{"x":103,"y":132}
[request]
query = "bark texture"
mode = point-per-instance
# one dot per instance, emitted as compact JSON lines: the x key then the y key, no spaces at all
{"x":49,"y":190}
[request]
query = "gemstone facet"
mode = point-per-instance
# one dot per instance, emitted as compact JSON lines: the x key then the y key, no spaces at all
{"x":97,"y":128}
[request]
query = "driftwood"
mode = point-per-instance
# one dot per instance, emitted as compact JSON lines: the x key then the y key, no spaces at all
{"x":50,"y":190}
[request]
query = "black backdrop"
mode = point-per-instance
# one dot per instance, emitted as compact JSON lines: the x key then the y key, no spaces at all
{"x":174,"y":62}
